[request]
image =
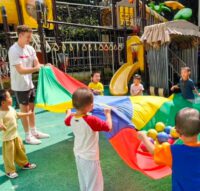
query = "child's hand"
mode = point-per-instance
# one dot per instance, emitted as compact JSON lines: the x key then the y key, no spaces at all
{"x":198,"y":94}
{"x":2,"y":127}
{"x":30,"y":112}
{"x":107,"y":111}
{"x":68,"y":112}
{"x":141,"y":135}
{"x":172,"y":88}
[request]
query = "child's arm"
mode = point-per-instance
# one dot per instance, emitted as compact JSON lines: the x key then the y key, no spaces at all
{"x":68,"y":113}
{"x":22,"y":114}
{"x":68,"y":117}
{"x":196,"y":91}
{"x":143,"y":137}
{"x":107,"y":113}
{"x":174,"y":87}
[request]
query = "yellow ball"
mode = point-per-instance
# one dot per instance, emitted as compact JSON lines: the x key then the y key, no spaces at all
{"x":174,"y":133}
{"x":165,"y":143}
{"x":152,"y":133}
{"x":160,"y":126}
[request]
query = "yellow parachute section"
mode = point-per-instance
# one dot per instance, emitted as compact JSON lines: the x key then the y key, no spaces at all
{"x":28,"y":12}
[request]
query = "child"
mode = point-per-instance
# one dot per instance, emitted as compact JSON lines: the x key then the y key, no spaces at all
{"x":186,"y":85}
{"x":86,"y":149}
{"x":96,"y":86}
{"x":13,"y":149}
{"x":183,"y":159}
{"x":136,"y":88}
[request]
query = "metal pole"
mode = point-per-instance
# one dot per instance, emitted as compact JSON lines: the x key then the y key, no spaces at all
{"x":114,"y":26}
{"x":143,"y":14}
{"x":55,"y":18}
{"x":5,"y":26}
{"x":125,"y":40}
{"x":41,"y":32}
{"x":145,"y":60}
{"x":199,"y":13}
{"x":19,"y":12}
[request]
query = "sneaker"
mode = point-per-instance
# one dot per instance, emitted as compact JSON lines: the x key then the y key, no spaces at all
{"x":40,"y":135}
{"x":29,"y":166}
{"x":12,"y":175}
{"x":32,"y":140}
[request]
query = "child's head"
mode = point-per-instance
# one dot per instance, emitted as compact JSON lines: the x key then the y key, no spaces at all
{"x":185,"y":73}
{"x":188,"y":122}
{"x":5,"y":98}
{"x":96,"y":76}
{"x":137,"y":79}
{"x":82,"y":99}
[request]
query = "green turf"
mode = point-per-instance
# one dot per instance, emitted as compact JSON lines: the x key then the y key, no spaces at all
{"x":56,"y":170}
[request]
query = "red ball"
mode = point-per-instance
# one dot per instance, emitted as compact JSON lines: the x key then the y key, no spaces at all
{"x":171,"y":141}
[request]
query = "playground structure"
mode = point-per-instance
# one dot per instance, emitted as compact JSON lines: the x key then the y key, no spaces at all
{"x":169,"y":47}
{"x":106,"y":51}
{"x":135,"y":62}
{"x":24,"y":11}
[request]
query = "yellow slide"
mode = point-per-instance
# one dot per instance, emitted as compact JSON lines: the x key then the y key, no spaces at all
{"x":119,"y":82}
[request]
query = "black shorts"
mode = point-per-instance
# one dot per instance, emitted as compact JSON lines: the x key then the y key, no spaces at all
{"x":25,"y":97}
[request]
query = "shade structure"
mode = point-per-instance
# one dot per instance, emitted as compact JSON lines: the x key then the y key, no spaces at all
{"x":129,"y":114}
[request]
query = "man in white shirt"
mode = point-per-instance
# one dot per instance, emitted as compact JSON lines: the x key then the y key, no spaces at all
{"x":23,"y":62}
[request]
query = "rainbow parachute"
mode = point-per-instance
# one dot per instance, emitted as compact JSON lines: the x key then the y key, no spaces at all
{"x":129,"y":114}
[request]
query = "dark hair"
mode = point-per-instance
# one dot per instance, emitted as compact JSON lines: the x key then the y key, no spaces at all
{"x":2,"y":95}
{"x":188,"y":122}
{"x":137,"y":76}
{"x":23,"y":28}
{"x":95,"y":72}
{"x":82,"y":97}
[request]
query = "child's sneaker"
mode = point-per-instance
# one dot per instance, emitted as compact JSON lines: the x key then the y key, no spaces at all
{"x":29,"y":166}
{"x":39,"y":135}
{"x":12,"y":175}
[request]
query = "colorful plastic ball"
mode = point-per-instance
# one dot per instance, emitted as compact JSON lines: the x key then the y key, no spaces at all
{"x":160,"y":126}
{"x":167,"y":129}
{"x":165,"y":143}
{"x":152,"y":133}
{"x":174,"y":133}
{"x":171,"y":141}
{"x":162,"y":137}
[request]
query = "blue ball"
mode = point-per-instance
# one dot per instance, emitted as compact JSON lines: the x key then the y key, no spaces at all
{"x":167,"y":129}
{"x":162,"y":137}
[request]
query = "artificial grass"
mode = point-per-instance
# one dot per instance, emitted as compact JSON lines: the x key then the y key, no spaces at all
{"x":56,"y":169}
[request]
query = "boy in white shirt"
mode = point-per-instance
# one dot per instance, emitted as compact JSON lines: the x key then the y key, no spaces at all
{"x":86,"y":144}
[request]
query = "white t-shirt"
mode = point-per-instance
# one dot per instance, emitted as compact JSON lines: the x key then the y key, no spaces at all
{"x":85,"y":129}
{"x":136,"y":89}
{"x":24,"y":56}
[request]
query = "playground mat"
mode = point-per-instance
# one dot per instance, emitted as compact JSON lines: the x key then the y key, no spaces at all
{"x":56,"y":169}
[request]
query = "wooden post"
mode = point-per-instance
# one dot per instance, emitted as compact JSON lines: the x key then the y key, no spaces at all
{"x":41,"y":32}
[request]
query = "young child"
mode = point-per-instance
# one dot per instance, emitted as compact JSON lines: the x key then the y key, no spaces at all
{"x":95,"y":85}
{"x":13,"y":149}
{"x":136,"y":88}
{"x":186,"y":85}
{"x":183,"y":159}
{"x":86,"y":144}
